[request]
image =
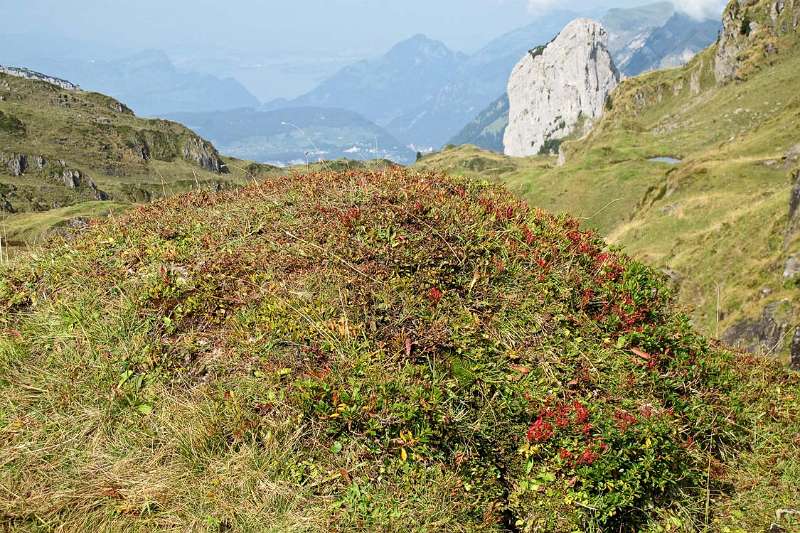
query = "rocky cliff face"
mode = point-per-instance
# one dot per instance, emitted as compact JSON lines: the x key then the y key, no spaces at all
{"x":559,"y":87}
{"x":204,"y":155}
{"x":751,"y":30}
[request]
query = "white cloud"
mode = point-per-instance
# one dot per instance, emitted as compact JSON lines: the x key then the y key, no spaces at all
{"x":536,"y":6}
{"x":700,"y":9}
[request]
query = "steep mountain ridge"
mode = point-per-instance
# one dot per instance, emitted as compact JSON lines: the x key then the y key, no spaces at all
{"x":29,"y":74}
{"x":479,"y":80}
{"x":410,"y":73}
{"x":487,"y":129}
{"x":630,"y":28}
{"x":672,"y":45}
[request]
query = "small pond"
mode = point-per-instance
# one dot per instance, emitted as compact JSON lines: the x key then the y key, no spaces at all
{"x":665,"y":159}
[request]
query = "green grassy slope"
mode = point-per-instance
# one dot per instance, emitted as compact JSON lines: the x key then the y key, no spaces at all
{"x":719,"y":218}
{"x":61,"y":148}
{"x":375,"y":351}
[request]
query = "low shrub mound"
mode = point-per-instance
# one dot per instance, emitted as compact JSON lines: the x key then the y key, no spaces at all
{"x":375,"y":350}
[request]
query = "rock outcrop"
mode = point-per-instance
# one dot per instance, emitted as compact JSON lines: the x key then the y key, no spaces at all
{"x":71,"y":178}
{"x":38,"y":76}
{"x":791,"y":269}
{"x":204,"y":155}
{"x":749,"y":29}
{"x":16,"y":164}
{"x":58,"y":171}
{"x":559,"y":87}
{"x":98,"y":194}
{"x":762,"y":335}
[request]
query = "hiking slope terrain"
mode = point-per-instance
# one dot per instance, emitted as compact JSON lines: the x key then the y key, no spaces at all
{"x":61,"y":147}
{"x":363,"y":350}
{"x":716,"y":213}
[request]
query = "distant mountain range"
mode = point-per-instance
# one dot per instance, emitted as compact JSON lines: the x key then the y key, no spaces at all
{"x":475,"y":84}
{"x":296,"y":135}
{"x":147,"y":81}
{"x":416,"y":97}
{"x":434,"y":92}
{"x":630,"y":28}
{"x":673,"y":44}
{"x":393,"y":85}
{"x":421,"y":91}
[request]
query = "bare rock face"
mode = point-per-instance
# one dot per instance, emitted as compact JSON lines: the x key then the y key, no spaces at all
{"x":737,"y":30}
{"x":71,"y":178}
{"x":16,"y":164}
{"x":203,"y":154}
{"x":38,"y":76}
{"x":98,"y":194}
{"x":556,"y":88}
{"x":748,"y":31}
{"x":791,"y":268}
{"x":761,"y":335}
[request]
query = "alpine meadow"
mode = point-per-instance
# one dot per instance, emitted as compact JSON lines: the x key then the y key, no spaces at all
{"x":580,"y":315}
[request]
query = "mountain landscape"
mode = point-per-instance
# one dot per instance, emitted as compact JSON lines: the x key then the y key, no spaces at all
{"x":435,"y":95}
{"x":66,"y":153}
{"x":671,"y":45}
{"x":450,"y":89}
{"x":629,"y":28}
{"x":686,"y":166}
{"x":458,"y":88}
{"x":640,"y":39}
{"x":599,"y":331}
{"x":407,"y":75}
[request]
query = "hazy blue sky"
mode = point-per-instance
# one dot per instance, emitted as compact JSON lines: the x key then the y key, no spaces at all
{"x":296,"y":26}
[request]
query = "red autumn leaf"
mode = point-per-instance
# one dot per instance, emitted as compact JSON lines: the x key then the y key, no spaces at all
{"x":435,"y":295}
{"x":540,"y":431}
